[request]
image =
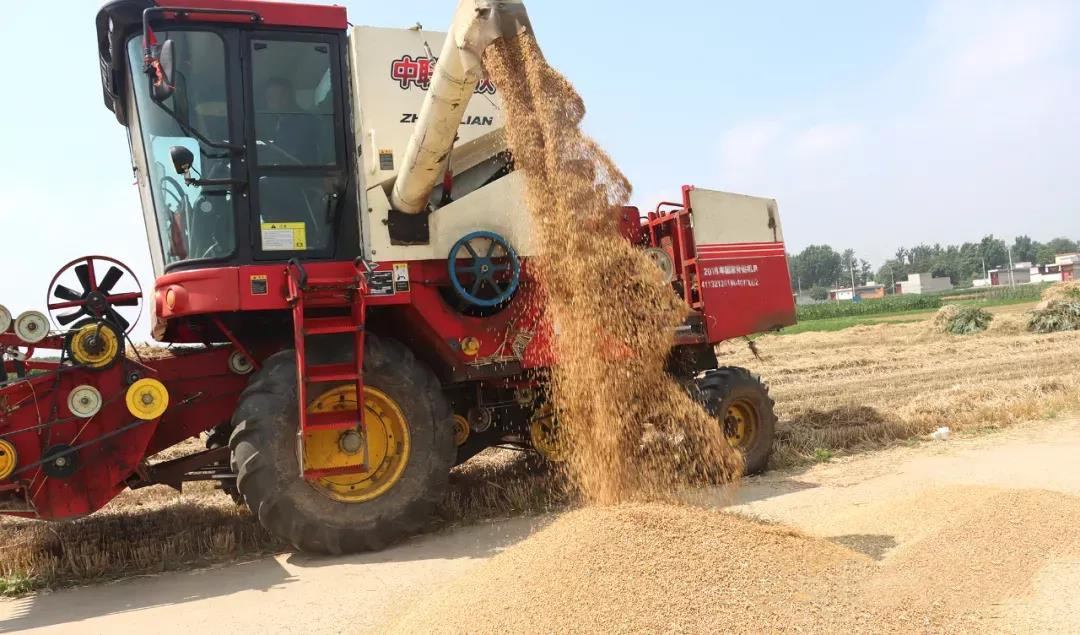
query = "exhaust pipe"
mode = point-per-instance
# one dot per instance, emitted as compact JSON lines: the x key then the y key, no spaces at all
{"x":477,"y":23}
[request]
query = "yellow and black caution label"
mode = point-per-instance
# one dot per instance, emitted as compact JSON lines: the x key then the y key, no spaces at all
{"x":284,"y":236}
{"x":401,"y":276}
{"x":386,"y":159}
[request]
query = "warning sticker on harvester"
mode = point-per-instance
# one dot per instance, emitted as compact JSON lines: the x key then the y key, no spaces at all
{"x":258,"y":284}
{"x":381,"y":283}
{"x":401,"y":276}
{"x":386,"y":159}
{"x":284,"y":236}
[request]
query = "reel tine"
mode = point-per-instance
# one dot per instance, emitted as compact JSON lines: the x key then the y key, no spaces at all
{"x":68,"y":318}
{"x":83,"y":272}
{"x":65,"y":293}
{"x":111,"y":277}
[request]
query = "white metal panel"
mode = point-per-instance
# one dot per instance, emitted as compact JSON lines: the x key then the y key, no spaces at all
{"x":722,"y":218}
{"x":390,"y":69}
{"x":498,"y":207}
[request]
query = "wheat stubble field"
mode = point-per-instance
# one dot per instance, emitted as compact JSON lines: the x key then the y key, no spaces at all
{"x":867,"y":384}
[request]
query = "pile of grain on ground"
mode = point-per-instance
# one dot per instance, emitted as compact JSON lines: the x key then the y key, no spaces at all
{"x":651,"y":568}
{"x":988,"y":551}
{"x":866,"y":384}
{"x":665,"y":568}
{"x":613,"y":333}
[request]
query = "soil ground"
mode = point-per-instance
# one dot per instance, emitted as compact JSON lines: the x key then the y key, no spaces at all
{"x":875,"y":503}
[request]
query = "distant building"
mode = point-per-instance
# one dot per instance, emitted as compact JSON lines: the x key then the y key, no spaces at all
{"x":1068,"y":265}
{"x":865,"y":292}
{"x":918,"y":283}
{"x":1064,"y":268}
{"x":1019,"y":274}
{"x":804,"y":298}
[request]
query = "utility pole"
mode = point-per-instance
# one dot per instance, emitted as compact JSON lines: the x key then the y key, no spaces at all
{"x":851,"y":268}
{"x":1012,"y":269}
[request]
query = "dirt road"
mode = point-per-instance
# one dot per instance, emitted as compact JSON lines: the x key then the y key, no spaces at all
{"x":874,"y":503}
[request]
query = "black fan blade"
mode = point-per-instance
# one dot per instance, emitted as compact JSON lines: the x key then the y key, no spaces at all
{"x":117,"y":320}
{"x":84,"y":276}
{"x":68,"y":318}
{"x":65,"y":293}
{"x":126,"y":302}
{"x":110,"y":279}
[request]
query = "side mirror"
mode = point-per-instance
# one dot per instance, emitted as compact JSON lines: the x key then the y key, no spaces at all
{"x":182,"y":159}
{"x":162,"y":71}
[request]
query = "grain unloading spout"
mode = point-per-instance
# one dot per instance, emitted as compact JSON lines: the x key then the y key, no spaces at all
{"x":477,"y":23}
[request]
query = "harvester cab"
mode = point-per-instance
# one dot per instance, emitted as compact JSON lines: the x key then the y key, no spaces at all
{"x":341,"y":254}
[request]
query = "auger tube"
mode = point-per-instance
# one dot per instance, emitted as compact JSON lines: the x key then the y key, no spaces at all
{"x":476,"y":24}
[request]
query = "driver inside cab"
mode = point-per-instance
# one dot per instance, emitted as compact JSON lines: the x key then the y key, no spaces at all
{"x":286,"y":127}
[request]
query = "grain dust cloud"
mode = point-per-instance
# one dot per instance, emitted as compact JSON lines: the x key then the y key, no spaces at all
{"x":613,"y":314}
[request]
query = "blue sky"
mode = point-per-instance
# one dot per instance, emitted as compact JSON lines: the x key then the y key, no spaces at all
{"x":873,"y":124}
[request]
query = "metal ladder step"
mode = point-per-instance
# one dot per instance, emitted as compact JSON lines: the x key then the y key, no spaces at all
{"x":330,"y":325}
{"x":331,"y":372}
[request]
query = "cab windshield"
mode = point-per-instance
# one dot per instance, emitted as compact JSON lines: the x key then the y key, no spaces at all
{"x":193,"y":223}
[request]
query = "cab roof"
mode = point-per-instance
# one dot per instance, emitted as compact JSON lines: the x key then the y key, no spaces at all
{"x":119,"y":19}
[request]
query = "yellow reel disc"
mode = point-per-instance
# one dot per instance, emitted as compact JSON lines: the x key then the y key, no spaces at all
{"x":545,"y":436}
{"x":461,"y":430}
{"x":147,"y":399}
{"x":94,"y":345}
{"x":8,"y":458}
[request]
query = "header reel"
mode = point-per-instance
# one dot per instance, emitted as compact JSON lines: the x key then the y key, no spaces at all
{"x":96,"y":297}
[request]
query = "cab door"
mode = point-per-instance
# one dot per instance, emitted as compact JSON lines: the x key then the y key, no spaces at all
{"x":303,"y":203}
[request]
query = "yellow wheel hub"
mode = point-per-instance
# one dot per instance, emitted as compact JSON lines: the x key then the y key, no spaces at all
{"x":147,"y":399}
{"x":461,"y":430}
{"x":94,"y":346}
{"x":545,"y":436}
{"x":8,"y":459}
{"x":384,"y":446}
{"x":741,"y":424}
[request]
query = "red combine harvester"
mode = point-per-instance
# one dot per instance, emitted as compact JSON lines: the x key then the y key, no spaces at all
{"x":341,"y":250}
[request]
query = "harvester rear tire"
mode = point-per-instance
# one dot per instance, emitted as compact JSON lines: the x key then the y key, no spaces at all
{"x":720,"y":389}
{"x":264,"y":454}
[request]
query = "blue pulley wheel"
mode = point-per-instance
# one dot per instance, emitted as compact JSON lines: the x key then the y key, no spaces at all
{"x":484,"y":268}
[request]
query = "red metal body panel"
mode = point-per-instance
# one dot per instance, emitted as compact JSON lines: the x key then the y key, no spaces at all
{"x":745,"y":288}
{"x":739,"y":288}
{"x":273,"y":13}
{"x":419,"y":315}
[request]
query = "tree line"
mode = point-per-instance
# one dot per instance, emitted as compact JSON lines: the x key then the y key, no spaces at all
{"x":820,"y":267}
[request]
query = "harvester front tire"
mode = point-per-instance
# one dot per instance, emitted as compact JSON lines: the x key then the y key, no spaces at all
{"x":265,"y":454}
{"x":730,"y":387}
